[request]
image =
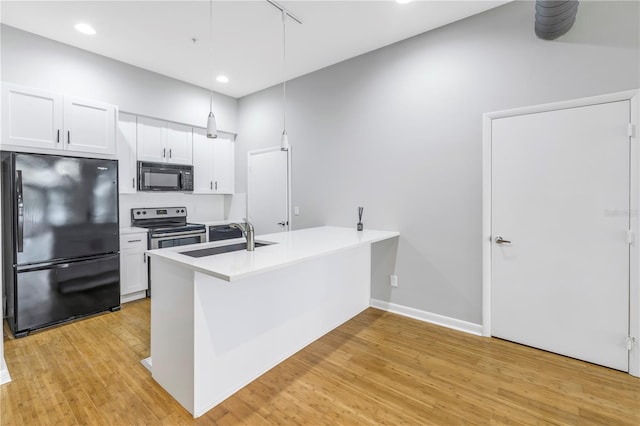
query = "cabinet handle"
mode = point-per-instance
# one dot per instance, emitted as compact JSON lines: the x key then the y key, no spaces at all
{"x":144,"y":258}
{"x":164,"y":152}
{"x":216,"y":185}
{"x":68,"y":137}
{"x":134,"y":241}
{"x":133,"y":183}
{"x":58,"y":137}
{"x":169,"y":152}
{"x":210,"y":185}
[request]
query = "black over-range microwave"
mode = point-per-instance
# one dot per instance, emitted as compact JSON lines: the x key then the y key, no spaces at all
{"x":164,"y":177}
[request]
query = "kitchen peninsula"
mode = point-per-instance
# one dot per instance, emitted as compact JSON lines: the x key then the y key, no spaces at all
{"x":218,"y":322}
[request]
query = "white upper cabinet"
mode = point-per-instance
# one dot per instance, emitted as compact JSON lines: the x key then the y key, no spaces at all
{"x":162,"y":142}
{"x":126,"y":149}
{"x":89,"y":126}
{"x":213,"y":164}
{"x":179,"y":143}
{"x":223,"y":166}
{"x":38,"y":119}
{"x":31,"y":117}
{"x":202,"y":163}
{"x":152,"y":140}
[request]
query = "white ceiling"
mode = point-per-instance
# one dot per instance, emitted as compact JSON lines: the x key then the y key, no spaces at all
{"x":157,"y":35}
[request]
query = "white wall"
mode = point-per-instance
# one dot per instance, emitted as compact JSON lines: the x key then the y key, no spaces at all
{"x":31,"y":60}
{"x":399,"y":131}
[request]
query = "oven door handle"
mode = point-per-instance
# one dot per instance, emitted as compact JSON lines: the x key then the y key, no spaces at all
{"x":165,"y":235}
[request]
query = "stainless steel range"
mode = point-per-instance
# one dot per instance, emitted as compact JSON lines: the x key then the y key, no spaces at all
{"x":168,"y":227}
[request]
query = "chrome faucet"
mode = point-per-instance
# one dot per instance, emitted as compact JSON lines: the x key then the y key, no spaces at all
{"x":248,"y":232}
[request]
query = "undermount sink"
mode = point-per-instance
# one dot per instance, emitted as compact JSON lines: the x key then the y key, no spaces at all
{"x":221,"y":249}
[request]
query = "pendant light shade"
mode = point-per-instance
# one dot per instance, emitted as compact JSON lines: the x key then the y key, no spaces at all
{"x":212,"y":128}
{"x":284,"y":141}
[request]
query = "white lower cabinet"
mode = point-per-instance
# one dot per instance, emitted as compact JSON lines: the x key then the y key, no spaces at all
{"x":133,"y":266}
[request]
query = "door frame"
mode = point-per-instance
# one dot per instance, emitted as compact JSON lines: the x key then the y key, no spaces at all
{"x":634,"y":188}
{"x":264,"y":151}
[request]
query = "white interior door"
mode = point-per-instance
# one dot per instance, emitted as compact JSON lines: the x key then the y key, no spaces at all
{"x":267,"y":191}
{"x":560,"y":195}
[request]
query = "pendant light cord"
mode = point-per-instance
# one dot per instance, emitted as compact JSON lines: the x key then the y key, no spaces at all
{"x":284,"y":78}
{"x":211,"y":53}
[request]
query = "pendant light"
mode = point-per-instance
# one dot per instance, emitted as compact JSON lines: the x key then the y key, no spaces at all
{"x":284,"y":140}
{"x":212,"y":129}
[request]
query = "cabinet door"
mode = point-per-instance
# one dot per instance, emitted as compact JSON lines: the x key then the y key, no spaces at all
{"x":151,"y":140}
{"x":126,"y":150}
{"x":202,"y":162}
{"x":179,"y":144}
{"x":223,"y":166}
{"x":133,"y":266}
{"x":89,"y":126}
{"x":31,"y":117}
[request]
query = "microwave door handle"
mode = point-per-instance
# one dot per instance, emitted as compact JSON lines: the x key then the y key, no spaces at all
{"x":20,"y":202}
{"x":180,"y":180}
{"x":142,"y":182}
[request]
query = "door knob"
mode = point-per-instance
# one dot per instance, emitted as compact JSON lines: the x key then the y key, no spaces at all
{"x":500,"y":240}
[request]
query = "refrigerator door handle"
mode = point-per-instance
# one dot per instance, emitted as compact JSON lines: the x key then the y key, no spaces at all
{"x":20,"y":200}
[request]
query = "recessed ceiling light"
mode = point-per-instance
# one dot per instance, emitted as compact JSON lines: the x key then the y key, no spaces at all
{"x":403,"y":1}
{"x":222,"y":79}
{"x":85,"y":29}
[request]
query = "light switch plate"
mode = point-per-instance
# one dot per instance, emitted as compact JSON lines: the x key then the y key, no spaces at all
{"x":393,"y":280}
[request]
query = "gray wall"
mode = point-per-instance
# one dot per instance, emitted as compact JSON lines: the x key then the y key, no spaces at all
{"x":35,"y":61}
{"x":399,"y":131}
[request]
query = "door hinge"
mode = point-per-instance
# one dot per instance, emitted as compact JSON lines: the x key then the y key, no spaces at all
{"x":630,"y":236}
{"x":631,"y":130}
{"x":630,"y":342}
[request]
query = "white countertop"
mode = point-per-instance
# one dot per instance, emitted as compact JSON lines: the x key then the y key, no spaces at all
{"x":292,"y":247}
{"x":131,"y":230}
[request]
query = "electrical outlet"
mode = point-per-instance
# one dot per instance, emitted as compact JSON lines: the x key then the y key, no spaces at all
{"x":393,"y":280}
{"x":296,"y":210}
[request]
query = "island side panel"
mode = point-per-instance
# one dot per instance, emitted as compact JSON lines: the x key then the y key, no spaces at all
{"x":244,"y":328}
{"x":172,"y":330}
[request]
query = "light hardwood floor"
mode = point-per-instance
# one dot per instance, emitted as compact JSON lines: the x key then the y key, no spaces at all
{"x":378,"y":368}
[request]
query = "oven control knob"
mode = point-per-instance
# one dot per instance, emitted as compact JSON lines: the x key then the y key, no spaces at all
{"x":144,"y":212}
{"x":137,"y":212}
{"x":177,"y":211}
{"x":182,"y":211}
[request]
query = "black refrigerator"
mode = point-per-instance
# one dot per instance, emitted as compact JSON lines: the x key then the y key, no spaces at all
{"x":60,"y":239}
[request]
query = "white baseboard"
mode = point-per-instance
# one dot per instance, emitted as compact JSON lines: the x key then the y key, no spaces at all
{"x":147,"y":363}
{"x":4,"y":374}
{"x":133,"y":296}
{"x":437,"y":319}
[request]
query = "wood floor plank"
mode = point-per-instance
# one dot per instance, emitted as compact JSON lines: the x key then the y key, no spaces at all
{"x":377,"y":368}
